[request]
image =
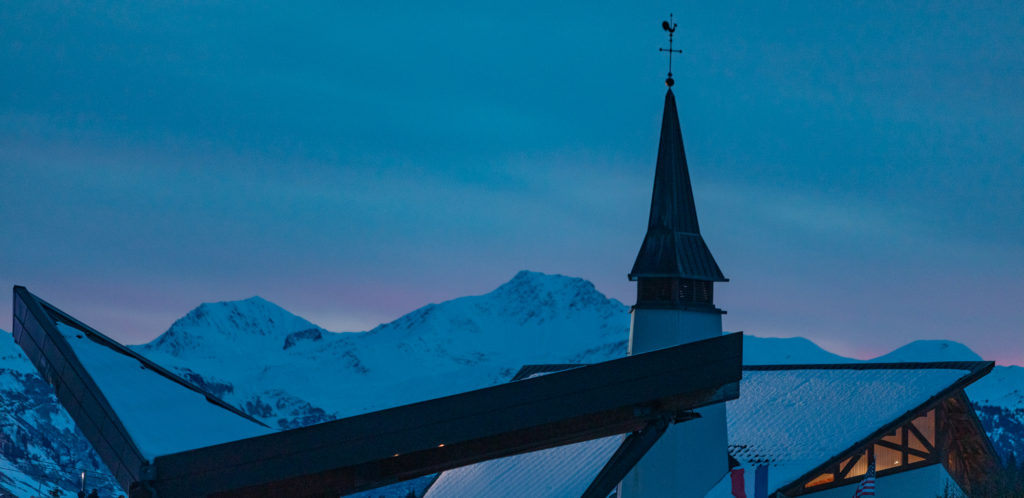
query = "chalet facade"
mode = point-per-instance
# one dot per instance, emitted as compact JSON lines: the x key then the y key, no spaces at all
{"x":943,"y":444}
{"x":818,"y":426}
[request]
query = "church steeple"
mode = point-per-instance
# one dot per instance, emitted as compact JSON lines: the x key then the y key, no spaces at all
{"x":674,"y":266}
{"x":673,"y":246}
{"x":675,"y":276}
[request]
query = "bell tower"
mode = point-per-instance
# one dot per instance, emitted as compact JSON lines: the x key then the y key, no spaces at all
{"x":674,"y":270}
{"x":675,"y":275}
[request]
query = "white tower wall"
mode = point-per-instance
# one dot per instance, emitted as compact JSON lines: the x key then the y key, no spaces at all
{"x":691,"y":456}
{"x":652,"y":329}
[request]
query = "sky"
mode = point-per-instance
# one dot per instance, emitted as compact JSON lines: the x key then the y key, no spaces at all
{"x":858,"y":167}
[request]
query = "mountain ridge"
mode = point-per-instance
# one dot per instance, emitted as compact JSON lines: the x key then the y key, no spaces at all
{"x":289,"y":372}
{"x":205,"y":325}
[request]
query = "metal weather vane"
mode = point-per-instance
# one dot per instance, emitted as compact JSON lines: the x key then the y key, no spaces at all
{"x":669,"y":26}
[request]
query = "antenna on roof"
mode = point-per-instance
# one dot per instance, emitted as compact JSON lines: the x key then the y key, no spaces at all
{"x":669,"y":26}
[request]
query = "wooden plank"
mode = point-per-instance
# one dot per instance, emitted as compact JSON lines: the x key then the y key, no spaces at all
{"x":894,"y":446}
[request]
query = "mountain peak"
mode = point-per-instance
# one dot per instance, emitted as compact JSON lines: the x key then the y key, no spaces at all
{"x":529,"y":277}
{"x":229,"y":324}
{"x":786,"y":351}
{"x":532,"y":282}
{"x":930,"y":350}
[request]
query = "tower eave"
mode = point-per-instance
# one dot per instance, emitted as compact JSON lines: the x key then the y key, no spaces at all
{"x":633,"y":277}
{"x":665,"y":254}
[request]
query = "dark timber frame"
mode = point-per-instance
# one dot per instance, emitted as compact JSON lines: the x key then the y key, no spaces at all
{"x":640,"y":394}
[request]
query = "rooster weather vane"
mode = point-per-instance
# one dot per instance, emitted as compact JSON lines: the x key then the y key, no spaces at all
{"x":669,"y":26}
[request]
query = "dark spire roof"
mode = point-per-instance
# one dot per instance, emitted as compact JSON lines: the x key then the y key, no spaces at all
{"x":673,"y":246}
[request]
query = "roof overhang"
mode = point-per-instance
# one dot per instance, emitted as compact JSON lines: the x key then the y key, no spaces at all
{"x":367,"y":451}
{"x":973,"y":370}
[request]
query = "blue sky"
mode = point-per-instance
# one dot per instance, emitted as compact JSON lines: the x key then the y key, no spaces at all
{"x":858,"y":167}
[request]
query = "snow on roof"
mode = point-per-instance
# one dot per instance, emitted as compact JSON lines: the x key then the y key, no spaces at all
{"x":161,"y":415}
{"x":793,"y":417}
{"x":559,"y":471}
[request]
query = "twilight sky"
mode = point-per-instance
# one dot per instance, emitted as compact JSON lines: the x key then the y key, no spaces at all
{"x":858,"y":166}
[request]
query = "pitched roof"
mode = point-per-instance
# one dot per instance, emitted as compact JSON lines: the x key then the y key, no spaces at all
{"x":161,"y":414}
{"x":128,"y":407}
{"x":556,"y":472}
{"x":795,"y":417}
{"x":560,"y":471}
{"x":673,"y":246}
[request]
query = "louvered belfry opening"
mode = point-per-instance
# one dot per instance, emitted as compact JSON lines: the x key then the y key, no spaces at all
{"x":670,"y":292}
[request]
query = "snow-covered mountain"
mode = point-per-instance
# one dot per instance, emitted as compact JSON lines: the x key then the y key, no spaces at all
{"x":926,"y":350}
{"x":292,"y":368}
{"x":254,"y":325}
{"x":786,"y":351}
{"x":289,"y":372}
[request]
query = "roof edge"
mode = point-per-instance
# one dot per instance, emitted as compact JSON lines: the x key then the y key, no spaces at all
{"x":37,"y":310}
{"x":974,"y":367}
{"x":106,"y":341}
{"x":976,"y":370}
{"x":634,"y":276}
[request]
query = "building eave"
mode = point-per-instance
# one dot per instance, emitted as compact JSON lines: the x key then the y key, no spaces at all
{"x":975,"y":370}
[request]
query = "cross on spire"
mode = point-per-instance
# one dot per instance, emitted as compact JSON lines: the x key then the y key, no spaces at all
{"x":669,"y":26}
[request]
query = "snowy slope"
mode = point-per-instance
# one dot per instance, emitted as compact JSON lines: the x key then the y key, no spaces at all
{"x":289,"y":372}
{"x":40,"y":447}
{"x":440,"y":349}
{"x":230,"y":329}
{"x":161,"y":416}
{"x":999,"y":402}
{"x":782,"y":351}
{"x":925,"y":350}
{"x":449,"y":347}
{"x":1003,"y":387}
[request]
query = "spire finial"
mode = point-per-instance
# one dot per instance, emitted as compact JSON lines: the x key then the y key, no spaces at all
{"x":669,"y":26}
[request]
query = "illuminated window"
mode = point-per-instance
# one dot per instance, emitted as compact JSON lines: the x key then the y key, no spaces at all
{"x":912,"y":443}
{"x":822,"y":479}
{"x":861,"y":467}
{"x":844,"y":463}
{"x":926,"y":426}
{"x":887,"y":458}
{"x":894,"y":437}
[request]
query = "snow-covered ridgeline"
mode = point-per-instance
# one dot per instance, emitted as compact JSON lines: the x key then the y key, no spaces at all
{"x":439,"y":349}
{"x":290,"y":372}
